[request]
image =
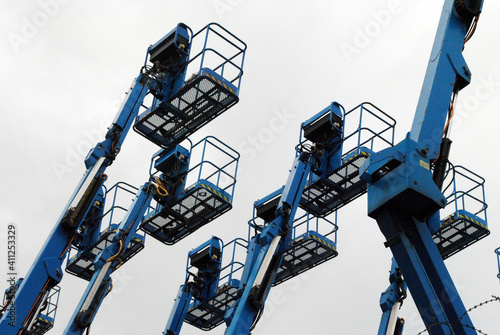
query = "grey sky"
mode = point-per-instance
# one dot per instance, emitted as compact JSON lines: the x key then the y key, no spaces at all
{"x":66,"y":65}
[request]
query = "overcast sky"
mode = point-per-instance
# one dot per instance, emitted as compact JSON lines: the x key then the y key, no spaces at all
{"x":64,"y":70}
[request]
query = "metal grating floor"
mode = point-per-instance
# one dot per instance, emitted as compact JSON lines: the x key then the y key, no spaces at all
{"x":195,"y":105}
{"x":200,"y":205}
{"x":210,"y":314}
{"x":82,"y":264}
{"x":344,"y":185}
{"x":42,"y":325}
{"x":458,"y":233}
{"x":305,"y":252}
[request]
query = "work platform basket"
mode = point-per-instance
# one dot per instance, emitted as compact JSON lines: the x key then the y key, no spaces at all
{"x":366,"y":129}
{"x":209,"y":194}
{"x":214,"y":72}
{"x":44,"y":321}
{"x":311,"y":241}
{"x":465,"y":220}
{"x":208,"y":312}
{"x":81,"y":257}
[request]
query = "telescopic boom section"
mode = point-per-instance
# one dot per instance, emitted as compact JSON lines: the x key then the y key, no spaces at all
{"x":447,"y":72}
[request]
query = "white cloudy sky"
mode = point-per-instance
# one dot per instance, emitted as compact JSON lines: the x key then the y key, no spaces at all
{"x":65,"y":66}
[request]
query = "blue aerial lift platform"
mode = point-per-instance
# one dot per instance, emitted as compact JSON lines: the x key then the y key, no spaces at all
{"x":407,"y":195}
{"x":289,"y":232}
{"x":212,"y":88}
{"x":177,"y":108}
{"x":406,"y":185}
{"x":189,"y":207}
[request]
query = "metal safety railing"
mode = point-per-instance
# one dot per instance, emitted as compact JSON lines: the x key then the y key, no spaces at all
{"x":367,"y":126}
{"x":221,"y":51}
{"x":465,"y":191}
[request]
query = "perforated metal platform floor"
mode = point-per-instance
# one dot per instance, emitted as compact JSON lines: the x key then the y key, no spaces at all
{"x":305,"y":252}
{"x":197,"y":103}
{"x":459,"y":232}
{"x":210,"y":314}
{"x":199,"y":205}
{"x":326,"y":195}
{"x":82,"y":264}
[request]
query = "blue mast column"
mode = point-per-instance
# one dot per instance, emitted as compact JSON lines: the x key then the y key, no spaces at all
{"x":402,"y":194}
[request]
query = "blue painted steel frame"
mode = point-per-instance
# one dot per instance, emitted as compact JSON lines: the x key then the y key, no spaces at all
{"x":46,"y":270}
{"x":447,"y":71}
{"x":403,"y":198}
{"x":204,"y":292}
{"x":390,"y":301}
{"x":244,"y":313}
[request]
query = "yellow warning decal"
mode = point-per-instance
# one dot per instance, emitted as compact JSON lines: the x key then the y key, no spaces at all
{"x":216,"y":192}
{"x":361,"y":154}
{"x":43,"y":320}
{"x":472,"y":220}
{"x":323,"y":242}
{"x":220,"y":83}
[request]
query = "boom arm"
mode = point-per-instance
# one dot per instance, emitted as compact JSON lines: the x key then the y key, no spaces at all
{"x":178,"y":109}
{"x":325,"y":131}
{"x":46,"y":270}
{"x":264,"y":256}
{"x":402,"y":194}
{"x":447,"y":72}
{"x":391,"y":301}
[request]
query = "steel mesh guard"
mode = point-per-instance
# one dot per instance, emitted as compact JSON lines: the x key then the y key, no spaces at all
{"x":344,"y":185}
{"x":208,"y":315}
{"x":195,"y":105}
{"x":199,"y":206}
{"x":457,"y":234}
{"x":82,"y":265}
{"x":42,"y":325}
{"x":305,"y":252}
